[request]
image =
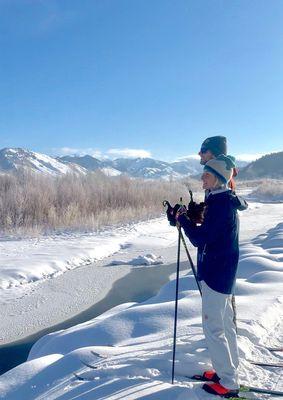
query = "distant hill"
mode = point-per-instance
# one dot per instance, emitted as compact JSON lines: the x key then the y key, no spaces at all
{"x":268,"y":166}
{"x":16,"y":159}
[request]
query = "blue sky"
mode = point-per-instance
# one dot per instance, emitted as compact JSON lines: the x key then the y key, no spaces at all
{"x":141,"y":77}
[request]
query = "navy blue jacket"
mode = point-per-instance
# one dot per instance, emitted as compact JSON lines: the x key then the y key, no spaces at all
{"x":217,"y":240}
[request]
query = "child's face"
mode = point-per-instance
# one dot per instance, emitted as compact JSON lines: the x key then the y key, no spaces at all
{"x":208,"y":180}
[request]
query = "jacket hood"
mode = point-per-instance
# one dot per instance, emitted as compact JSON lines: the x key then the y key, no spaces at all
{"x":238,"y":202}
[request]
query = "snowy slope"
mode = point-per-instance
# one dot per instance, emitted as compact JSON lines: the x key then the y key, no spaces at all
{"x":110,"y":171}
{"x":135,"y":340}
{"x":17,"y":159}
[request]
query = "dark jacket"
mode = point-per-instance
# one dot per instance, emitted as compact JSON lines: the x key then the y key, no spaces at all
{"x":217,"y":240}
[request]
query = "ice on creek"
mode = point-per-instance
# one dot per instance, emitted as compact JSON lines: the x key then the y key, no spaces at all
{"x":148,"y":259}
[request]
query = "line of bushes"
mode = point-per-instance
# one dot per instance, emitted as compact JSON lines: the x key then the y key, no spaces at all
{"x":33,"y":203}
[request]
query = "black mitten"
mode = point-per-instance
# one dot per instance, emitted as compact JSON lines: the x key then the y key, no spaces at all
{"x":171,"y":213}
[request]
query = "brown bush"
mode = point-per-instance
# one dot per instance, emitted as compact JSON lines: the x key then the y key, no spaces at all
{"x":33,"y":203}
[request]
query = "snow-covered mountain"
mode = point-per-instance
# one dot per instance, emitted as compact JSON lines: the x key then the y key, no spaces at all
{"x":17,"y":159}
{"x":88,"y":162}
{"x":147,"y":168}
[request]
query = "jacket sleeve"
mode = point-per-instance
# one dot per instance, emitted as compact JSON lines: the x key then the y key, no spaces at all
{"x":212,"y":227}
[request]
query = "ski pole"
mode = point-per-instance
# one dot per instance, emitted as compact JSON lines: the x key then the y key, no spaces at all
{"x":166,"y":203}
{"x":180,"y":237}
{"x":191,"y":262}
{"x":176,"y":302}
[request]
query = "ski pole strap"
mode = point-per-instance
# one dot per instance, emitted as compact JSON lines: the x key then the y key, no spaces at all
{"x":166,"y":203}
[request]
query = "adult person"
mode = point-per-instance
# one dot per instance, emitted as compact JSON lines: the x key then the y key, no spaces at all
{"x":217,"y":239}
{"x":212,"y":147}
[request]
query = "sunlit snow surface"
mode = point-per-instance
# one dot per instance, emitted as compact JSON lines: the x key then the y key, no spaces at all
{"x":29,"y":260}
{"x":135,"y":340}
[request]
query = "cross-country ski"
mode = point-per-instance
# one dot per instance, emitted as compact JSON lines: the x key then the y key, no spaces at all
{"x":267,"y":364}
{"x":275,"y":349}
{"x":244,"y":388}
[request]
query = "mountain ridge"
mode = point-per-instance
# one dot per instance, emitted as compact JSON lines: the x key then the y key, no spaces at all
{"x":16,"y":159}
{"x":267,"y":166}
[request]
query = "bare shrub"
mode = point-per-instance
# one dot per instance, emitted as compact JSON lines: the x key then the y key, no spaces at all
{"x":248,"y":184}
{"x":269,"y":190}
{"x":33,"y":203}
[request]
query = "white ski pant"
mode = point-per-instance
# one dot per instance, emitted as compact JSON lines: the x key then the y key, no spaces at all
{"x":220,"y":334}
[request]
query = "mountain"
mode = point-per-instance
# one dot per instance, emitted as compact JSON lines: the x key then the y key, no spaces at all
{"x":147,"y":168}
{"x":88,"y":162}
{"x":92,"y":164}
{"x":188,"y":166}
{"x":15,"y":159}
{"x":241,"y":164}
{"x":268,"y":166}
{"x":12,"y":160}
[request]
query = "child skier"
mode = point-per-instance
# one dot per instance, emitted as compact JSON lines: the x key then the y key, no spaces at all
{"x":217,"y":239}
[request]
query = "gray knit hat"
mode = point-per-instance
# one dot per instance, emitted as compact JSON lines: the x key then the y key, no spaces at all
{"x":216,"y":144}
{"x":222,"y":167}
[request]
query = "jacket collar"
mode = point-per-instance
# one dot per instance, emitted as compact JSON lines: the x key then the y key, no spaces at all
{"x":219,"y":191}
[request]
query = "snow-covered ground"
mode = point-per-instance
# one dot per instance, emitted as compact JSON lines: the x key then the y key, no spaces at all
{"x":30,"y":260}
{"x":76,"y":271}
{"x":136,"y":338}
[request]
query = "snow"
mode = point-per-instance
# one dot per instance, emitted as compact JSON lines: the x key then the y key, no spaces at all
{"x":11,"y":151}
{"x":34,"y":259}
{"x":52,"y":166}
{"x":148,"y":259}
{"x":48,"y":164}
{"x":41,"y":163}
{"x":85,"y":272}
{"x":110,"y":171}
{"x":28,"y":260}
{"x":134,"y":340}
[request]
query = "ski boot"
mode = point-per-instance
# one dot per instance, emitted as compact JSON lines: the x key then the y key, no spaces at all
{"x":219,"y":390}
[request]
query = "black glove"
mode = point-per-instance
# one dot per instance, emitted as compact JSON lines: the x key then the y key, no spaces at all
{"x":196,"y":212}
{"x":171,"y":213}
